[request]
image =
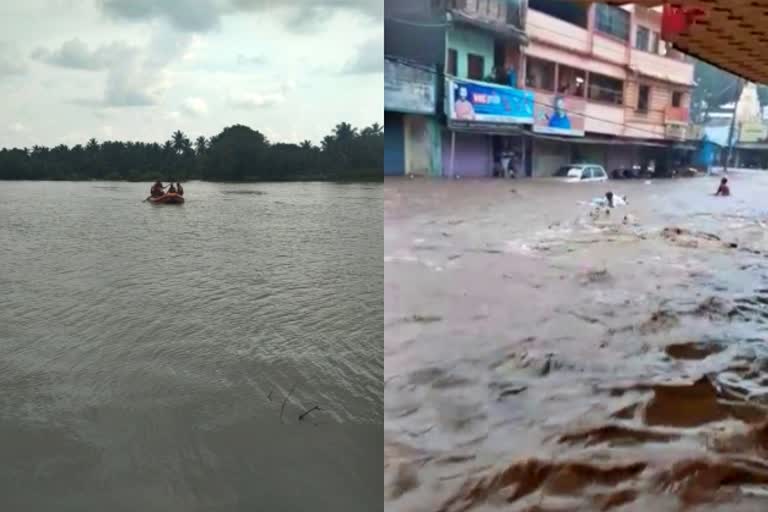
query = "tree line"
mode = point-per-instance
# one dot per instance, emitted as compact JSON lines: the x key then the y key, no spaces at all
{"x":238,"y":153}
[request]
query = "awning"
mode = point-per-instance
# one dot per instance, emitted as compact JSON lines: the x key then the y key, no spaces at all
{"x":758,"y":146}
{"x":516,"y":130}
{"x":729,"y":34}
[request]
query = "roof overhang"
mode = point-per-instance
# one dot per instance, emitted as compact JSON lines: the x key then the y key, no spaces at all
{"x":730,"y":34}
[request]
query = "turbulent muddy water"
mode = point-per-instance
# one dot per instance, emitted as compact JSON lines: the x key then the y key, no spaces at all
{"x":543,"y":356}
{"x":158,"y":358}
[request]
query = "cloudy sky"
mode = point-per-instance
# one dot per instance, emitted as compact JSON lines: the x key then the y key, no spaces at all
{"x":140,"y":69}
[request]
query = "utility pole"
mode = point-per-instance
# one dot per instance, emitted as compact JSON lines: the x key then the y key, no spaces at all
{"x":731,"y":129}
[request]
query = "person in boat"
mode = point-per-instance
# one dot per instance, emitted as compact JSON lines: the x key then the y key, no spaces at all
{"x":723,"y":189}
{"x":179,"y":190}
{"x":157,"y":189}
{"x":171,"y":189}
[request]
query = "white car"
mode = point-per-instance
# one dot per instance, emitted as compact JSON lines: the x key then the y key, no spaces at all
{"x":581,"y":173}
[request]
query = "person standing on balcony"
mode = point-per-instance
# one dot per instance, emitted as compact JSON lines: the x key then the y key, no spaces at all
{"x":511,"y":76}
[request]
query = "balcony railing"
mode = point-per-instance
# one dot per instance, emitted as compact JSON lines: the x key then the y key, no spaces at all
{"x":662,"y":67}
{"x":505,"y":18}
{"x":676,"y":115}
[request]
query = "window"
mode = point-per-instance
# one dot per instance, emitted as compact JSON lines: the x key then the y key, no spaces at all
{"x":452,"y":67}
{"x":540,"y":74}
{"x":575,"y":13}
{"x":571,"y":81}
{"x":586,"y":174}
{"x":598,"y":172}
{"x":514,"y":13}
{"x":605,"y":88}
{"x":641,"y":38}
{"x":612,"y":21}
{"x":643,"y":93}
{"x":494,"y":8}
{"x":655,"y":42}
{"x":677,"y":98}
{"x":475,"y":67}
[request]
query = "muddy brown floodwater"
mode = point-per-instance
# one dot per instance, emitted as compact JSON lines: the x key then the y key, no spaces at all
{"x":540,"y":356}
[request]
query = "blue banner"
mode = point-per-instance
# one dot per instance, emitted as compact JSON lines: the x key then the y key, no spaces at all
{"x":490,"y":103}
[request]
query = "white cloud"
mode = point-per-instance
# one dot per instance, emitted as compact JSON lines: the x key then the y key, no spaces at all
{"x":205,"y":15}
{"x":135,"y":76}
{"x":18,"y":128}
{"x":75,"y":54}
{"x":11,"y":60}
{"x":184,"y":15}
{"x":254,"y":60}
{"x":114,"y":61}
{"x":256,"y":100}
{"x":368,"y":59}
{"x":268,"y":98}
{"x":195,"y":106}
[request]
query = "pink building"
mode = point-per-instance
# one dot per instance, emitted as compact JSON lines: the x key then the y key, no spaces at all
{"x":626,"y":94}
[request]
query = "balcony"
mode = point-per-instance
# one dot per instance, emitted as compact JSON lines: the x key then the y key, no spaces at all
{"x":609,"y":49}
{"x":548,"y":29}
{"x":676,"y":115}
{"x":661,"y":67}
{"x":504,"y":18}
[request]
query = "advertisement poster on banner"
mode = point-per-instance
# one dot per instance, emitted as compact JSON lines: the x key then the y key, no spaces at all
{"x":490,"y":103}
{"x":559,"y":115}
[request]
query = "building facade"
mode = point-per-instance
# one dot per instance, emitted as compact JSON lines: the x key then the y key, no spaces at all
{"x":474,"y":48}
{"x":531,"y":85}
{"x":627,"y":95}
{"x":411,"y":127}
{"x":414,"y":43}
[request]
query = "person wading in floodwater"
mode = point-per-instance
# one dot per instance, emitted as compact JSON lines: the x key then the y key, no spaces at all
{"x":723,"y":189}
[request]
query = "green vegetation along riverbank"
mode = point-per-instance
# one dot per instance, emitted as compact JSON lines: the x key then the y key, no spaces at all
{"x":238,"y":153}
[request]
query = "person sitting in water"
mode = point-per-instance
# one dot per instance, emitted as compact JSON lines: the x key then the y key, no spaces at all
{"x":723,"y":189}
{"x":179,"y":190}
{"x":157,"y":189}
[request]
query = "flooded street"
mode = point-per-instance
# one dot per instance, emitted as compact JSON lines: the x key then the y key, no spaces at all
{"x":543,"y":356}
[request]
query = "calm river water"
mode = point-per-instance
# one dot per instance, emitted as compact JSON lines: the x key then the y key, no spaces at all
{"x":157,"y":358}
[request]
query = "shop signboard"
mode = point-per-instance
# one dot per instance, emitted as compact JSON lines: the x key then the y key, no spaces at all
{"x":482,"y":102}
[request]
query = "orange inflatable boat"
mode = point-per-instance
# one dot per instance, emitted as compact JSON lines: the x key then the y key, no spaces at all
{"x":170,"y":198}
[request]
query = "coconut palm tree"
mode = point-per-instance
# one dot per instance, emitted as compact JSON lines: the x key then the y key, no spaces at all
{"x":201,"y":144}
{"x":180,"y":142}
{"x":344,"y":132}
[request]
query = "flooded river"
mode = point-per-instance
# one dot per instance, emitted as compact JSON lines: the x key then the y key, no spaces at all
{"x":167,"y":358}
{"x":544,"y":356}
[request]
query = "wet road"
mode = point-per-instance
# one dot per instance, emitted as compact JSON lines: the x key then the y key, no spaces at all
{"x":541,"y":356}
